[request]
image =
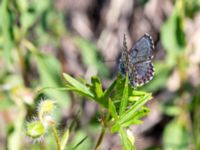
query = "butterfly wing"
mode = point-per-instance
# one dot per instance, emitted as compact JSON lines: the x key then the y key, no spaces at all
{"x":142,"y":49}
{"x":141,"y":73}
{"x":138,"y":63}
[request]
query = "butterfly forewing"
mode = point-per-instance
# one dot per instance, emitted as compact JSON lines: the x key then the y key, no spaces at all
{"x":142,"y":50}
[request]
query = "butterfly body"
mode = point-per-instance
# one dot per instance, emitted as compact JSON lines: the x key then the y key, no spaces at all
{"x":137,"y":61}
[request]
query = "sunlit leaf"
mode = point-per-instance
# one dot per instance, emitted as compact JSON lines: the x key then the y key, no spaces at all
{"x":64,"y":139}
{"x":175,"y":136}
{"x":133,"y":109}
{"x":90,"y":55}
{"x":172,"y":36}
{"x":77,"y":85}
{"x":112,"y":109}
{"x":124,"y":100}
{"x":125,"y":140}
{"x":50,"y":76}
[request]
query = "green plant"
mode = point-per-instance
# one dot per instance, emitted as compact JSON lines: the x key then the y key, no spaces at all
{"x":44,"y":120}
{"x":124,"y":106}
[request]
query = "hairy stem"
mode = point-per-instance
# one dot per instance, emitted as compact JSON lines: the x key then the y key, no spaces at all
{"x":56,"y":136}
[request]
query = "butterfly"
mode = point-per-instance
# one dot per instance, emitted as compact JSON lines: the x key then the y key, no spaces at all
{"x":137,"y":62}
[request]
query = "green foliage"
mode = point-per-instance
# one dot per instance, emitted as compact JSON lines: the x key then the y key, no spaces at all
{"x":35,"y":129}
{"x":90,"y":55}
{"x":174,"y":42}
{"x":64,"y":139}
{"x":172,"y":36}
{"x":6,"y":31}
{"x":192,"y":7}
{"x":120,"y":115}
{"x":49,"y":70}
{"x":175,"y":136}
{"x":25,"y":26}
{"x":196,"y":122}
{"x":44,"y":120}
{"x":79,"y":87}
{"x":128,"y":145}
{"x":29,"y":73}
{"x":81,"y":145}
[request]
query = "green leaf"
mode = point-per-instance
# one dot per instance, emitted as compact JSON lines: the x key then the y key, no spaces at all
{"x":90,"y":56}
{"x":192,"y":7}
{"x":133,"y":109}
{"x":79,"y":143}
{"x":172,"y":36}
{"x":115,"y":127}
{"x":124,"y":100}
{"x":18,"y":128}
{"x":172,"y":110}
{"x":96,"y":88}
{"x":109,"y":90}
{"x":27,"y":20}
{"x":125,"y":140}
{"x":78,"y":86}
{"x":112,"y":109}
{"x":64,"y":139}
{"x":138,"y":93}
{"x":115,"y":91}
{"x":136,"y":117}
{"x":49,"y":71}
{"x":176,"y":136}
{"x":7,"y":31}
{"x":70,"y":88}
{"x":131,"y":122}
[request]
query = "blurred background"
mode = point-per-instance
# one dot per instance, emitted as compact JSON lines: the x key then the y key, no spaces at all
{"x":39,"y":40}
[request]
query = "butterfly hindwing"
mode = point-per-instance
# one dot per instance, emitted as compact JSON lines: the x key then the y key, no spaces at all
{"x":143,"y":73}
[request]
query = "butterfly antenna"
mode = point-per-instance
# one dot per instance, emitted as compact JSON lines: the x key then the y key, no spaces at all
{"x":124,"y":43}
{"x":125,"y":57}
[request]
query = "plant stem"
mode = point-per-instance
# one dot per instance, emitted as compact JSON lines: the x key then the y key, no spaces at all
{"x":100,"y":138}
{"x":56,"y":136}
{"x":102,"y":131}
